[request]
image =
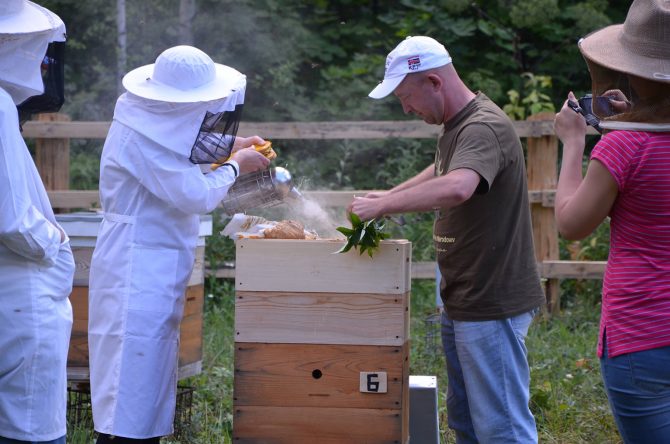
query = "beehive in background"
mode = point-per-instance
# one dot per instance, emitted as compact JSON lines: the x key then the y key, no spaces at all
{"x":82,"y":228}
{"x":321,"y":343}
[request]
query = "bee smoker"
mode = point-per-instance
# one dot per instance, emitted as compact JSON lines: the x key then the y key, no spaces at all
{"x":260,"y":189}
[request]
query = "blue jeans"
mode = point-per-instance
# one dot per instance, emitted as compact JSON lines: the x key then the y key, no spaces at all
{"x":489,"y":380}
{"x":60,"y":440}
{"x":638,"y":389}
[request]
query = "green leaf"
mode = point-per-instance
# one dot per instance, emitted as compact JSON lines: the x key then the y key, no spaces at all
{"x":345,"y":248}
{"x":346,"y":231}
{"x":363,"y":235}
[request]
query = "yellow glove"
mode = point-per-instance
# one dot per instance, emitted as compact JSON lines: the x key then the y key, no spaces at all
{"x":265,"y":149}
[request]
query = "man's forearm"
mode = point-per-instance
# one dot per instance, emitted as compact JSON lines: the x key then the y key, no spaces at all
{"x":437,"y":192}
{"x":426,"y":174}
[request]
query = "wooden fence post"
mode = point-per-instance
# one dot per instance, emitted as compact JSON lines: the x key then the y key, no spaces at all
{"x":543,"y":177}
{"x":52,"y":156}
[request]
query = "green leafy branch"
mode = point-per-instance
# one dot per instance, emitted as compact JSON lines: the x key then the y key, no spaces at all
{"x":364,"y":236}
{"x":535,"y":101}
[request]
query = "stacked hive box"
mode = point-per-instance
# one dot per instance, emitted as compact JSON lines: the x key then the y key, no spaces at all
{"x":321,"y":343}
{"x":82,"y":228}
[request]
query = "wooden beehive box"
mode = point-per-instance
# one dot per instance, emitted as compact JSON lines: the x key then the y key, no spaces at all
{"x":321,"y":343}
{"x":82,"y":228}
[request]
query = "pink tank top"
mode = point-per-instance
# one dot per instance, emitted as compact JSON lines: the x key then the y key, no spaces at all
{"x":636,"y":287}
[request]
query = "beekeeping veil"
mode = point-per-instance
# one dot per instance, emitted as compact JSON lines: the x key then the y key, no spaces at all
{"x":184,"y":102}
{"x":633,"y":57}
{"x":30,"y":34}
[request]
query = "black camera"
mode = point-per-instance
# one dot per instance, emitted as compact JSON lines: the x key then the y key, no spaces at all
{"x":588,"y":104}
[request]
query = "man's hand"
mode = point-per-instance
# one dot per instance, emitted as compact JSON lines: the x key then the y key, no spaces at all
{"x":250,"y":160}
{"x":366,"y":207}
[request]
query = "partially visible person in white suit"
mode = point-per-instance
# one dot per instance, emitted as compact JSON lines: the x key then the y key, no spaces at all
{"x":36,"y":263}
{"x":177,"y":116}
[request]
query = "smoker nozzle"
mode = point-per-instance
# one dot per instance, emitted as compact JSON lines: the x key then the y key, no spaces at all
{"x":295,"y":194}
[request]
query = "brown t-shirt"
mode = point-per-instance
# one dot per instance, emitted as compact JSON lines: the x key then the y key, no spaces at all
{"x":485,"y":245}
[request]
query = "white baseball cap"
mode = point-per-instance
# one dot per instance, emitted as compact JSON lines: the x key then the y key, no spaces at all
{"x":414,"y":54}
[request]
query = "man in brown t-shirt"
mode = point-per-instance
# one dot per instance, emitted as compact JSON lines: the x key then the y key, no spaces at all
{"x":483,"y":238}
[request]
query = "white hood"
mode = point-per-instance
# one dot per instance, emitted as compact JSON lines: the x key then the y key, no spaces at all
{"x":172,"y":125}
{"x":26,"y":29}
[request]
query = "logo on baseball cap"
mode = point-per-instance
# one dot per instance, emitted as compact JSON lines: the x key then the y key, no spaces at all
{"x":414,"y":54}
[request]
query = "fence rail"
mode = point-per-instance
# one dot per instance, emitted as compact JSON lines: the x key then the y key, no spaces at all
{"x":410,"y":129}
{"x":89,"y":199}
{"x":53,"y":132}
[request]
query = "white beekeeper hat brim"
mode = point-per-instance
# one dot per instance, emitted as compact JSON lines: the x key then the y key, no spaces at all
{"x":25,"y":17}
{"x":140,"y":82}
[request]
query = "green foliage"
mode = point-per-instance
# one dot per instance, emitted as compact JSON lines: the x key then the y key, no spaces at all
{"x":85,"y":164}
{"x":90,"y":58}
{"x":219,"y":254}
{"x":594,"y":247}
{"x":568,"y":399}
{"x":213,"y":397}
{"x":533,"y":13}
{"x":417,"y":227}
{"x":363,"y":235}
{"x":485,"y":80}
{"x":317,"y":60}
{"x":536,"y":100}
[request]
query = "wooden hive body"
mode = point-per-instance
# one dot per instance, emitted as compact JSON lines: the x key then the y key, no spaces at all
{"x":321,"y":343}
{"x":82,"y":230}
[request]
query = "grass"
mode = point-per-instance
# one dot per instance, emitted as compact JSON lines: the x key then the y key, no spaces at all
{"x":567,"y":396}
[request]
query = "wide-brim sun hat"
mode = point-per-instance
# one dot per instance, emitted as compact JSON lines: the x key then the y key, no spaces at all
{"x":26,"y":17}
{"x":184,"y":74}
{"x":640,"y":46}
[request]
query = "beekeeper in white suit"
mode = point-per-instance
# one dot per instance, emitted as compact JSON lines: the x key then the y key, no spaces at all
{"x":178,"y":113}
{"x":36,"y":264}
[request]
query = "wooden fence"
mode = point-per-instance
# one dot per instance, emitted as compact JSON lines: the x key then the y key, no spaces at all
{"x":53,"y":131}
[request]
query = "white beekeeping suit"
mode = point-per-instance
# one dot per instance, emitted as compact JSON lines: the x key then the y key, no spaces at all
{"x":36,"y":264}
{"x":178,"y":112}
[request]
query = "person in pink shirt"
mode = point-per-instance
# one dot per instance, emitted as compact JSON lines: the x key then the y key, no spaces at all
{"x":627,"y":180}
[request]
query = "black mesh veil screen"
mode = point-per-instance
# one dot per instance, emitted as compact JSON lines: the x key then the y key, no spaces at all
{"x":216,"y":137}
{"x":54,"y":80}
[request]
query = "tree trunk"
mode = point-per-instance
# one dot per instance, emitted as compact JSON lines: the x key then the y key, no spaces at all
{"x":121,"y":55}
{"x":186,"y":14}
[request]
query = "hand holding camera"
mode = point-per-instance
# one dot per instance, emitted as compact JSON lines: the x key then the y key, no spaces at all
{"x":570,"y":126}
{"x":584,"y":107}
{"x":594,"y":108}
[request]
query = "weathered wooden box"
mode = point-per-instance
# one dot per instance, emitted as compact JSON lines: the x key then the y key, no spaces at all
{"x":321,"y":343}
{"x":82,"y":228}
